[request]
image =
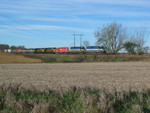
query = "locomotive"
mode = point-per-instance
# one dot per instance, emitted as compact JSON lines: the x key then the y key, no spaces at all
{"x":63,"y":50}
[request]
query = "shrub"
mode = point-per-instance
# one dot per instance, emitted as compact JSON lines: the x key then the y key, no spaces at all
{"x":73,"y":100}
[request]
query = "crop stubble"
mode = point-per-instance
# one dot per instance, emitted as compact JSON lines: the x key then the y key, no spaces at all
{"x":120,"y":75}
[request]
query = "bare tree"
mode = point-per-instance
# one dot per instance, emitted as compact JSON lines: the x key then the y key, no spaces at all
{"x":146,"y":49}
{"x":111,"y":36}
{"x":138,"y":37}
{"x":86,"y":43}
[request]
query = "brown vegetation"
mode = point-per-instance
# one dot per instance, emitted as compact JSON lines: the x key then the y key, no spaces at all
{"x":100,"y":88}
{"x":64,"y":58}
{"x":121,"y":75}
{"x":12,"y":58}
{"x":15,"y":99}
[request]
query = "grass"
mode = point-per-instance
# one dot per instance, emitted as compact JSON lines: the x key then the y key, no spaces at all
{"x":56,"y":58}
{"x":13,"y":58}
{"x":47,"y":58}
{"x":16,"y":99}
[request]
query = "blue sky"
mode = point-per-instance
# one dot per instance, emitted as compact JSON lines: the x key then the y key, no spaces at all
{"x":51,"y":23}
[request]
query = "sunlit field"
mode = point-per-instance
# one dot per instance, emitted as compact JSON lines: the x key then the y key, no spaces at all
{"x":12,"y":58}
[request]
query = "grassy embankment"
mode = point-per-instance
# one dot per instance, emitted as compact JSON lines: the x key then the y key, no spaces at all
{"x":14,"y":99}
{"x":56,"y":58}
{"x":13,"y":58}
{"x":47,"y":58}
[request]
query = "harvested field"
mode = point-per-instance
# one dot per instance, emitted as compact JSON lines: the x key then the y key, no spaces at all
{"x":120,"y":75}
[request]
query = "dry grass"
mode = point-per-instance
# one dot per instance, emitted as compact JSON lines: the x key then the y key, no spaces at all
{"x":12,"y":58}
{"x":64,"y":58}
{"x":15,"y":99}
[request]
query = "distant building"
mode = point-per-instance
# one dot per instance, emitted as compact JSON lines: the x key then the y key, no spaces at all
{"x":7,"y":50}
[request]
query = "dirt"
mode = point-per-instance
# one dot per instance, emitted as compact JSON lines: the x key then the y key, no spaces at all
{"x":120,"y":75}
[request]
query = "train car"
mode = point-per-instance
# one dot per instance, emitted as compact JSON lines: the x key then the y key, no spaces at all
{"x":13,"y":50}
{"x":62,"y":50}
{"x":50,"y":50}
{"x":77,"y":50}
{"x":18,"y":50}
{"x":39,"y":50}
{"x":31,"y":50}
{"x":95,"y":49}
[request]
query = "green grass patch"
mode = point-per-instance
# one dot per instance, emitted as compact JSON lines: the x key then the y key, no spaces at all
{"x":74,"y":100}
{"x":64,"y":58}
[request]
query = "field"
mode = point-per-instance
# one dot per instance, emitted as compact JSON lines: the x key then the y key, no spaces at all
{"x":100,"y":84}
{"x":120,"y":75}
{"x":75,"y":87}
{"x":13,"y":58}
{"x":121,"y":87}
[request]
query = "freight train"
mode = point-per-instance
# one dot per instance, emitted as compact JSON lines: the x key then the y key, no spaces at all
{"x":63,"y":50}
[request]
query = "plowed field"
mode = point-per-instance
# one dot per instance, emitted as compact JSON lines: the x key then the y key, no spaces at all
{"x":121,"y":75}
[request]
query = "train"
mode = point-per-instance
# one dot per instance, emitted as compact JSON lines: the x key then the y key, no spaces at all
{"x":63,"y":50}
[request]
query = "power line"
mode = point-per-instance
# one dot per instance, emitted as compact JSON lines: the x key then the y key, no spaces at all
{"x":80,"y":35}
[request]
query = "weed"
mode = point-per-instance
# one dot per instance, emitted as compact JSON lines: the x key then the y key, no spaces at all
{"x":73,"y":100}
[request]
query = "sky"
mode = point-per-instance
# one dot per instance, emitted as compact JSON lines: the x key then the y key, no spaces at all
{"x":52,"y":23}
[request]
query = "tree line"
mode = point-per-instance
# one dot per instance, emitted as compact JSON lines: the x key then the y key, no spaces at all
{"x":114,"y":37}
{"x":6,"y":46}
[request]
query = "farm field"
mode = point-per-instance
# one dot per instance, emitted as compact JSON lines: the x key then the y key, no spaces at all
{"x":13,"y":58}
{"x":119,"y":75}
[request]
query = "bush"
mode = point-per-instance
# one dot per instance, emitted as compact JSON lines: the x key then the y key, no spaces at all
{"x":15,"y":99}
{"x":49,"y":58}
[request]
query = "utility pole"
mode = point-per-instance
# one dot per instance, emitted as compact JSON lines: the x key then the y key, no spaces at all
{"x":80,"y":39}
{"x":74,"y":39}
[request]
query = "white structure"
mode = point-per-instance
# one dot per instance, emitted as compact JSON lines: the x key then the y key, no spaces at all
{"x":7,"y":50}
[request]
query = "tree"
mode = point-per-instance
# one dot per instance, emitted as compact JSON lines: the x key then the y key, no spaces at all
{"x":17,"y":47}
{"x":130,"y":47}
{"x":138,"y":37}
{"x":86,"y":43}
{"x":4,"y":46}
{"x":146,"y":49}
{"x":21,"y":47}
{"x":13,"y":47}
{"x":111,"y":36}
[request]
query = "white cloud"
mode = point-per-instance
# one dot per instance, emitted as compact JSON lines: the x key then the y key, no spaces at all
{"x":42,"y":27}
{"x":74,"y":7}
{"x":72,"y":11}
{"x":52,"y":19}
